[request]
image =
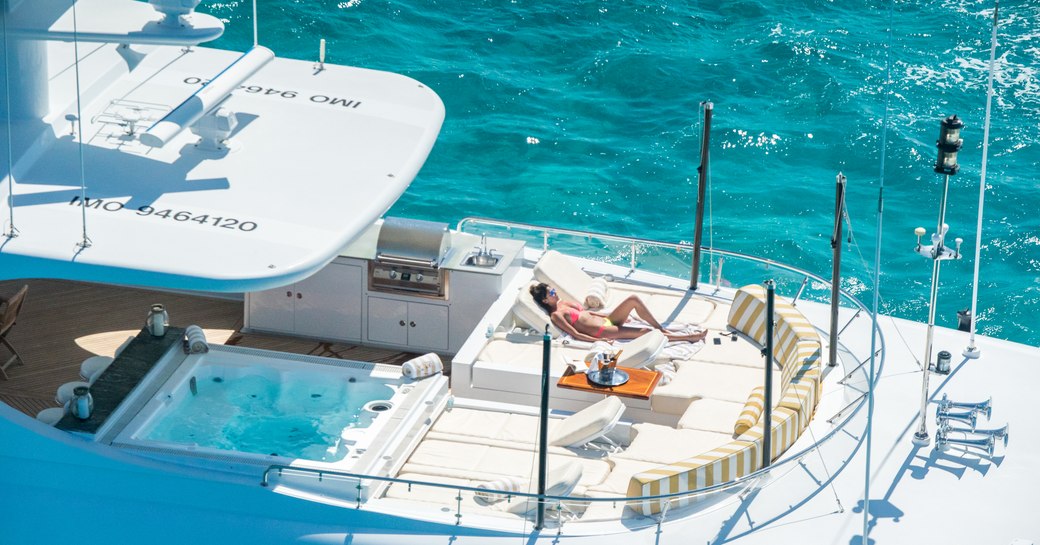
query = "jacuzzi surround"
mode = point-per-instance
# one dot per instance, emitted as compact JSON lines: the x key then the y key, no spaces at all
{"x":354,"y":447}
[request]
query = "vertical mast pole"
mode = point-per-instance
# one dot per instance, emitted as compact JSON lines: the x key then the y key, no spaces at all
{"x":543,"y":430}
{"x":839,"y":207}
{"x":702,"y":184}
{"x":973,"y":351}
{"x":767,"y":414}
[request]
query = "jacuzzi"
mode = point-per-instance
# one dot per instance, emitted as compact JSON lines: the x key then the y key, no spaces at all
{"x":242,"y":410}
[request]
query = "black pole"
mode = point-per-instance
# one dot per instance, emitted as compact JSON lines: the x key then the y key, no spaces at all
{"x":702,"y":185}
{"x":839,"y":206}
{"x":767,"y":414}
{"x":543,"y":431}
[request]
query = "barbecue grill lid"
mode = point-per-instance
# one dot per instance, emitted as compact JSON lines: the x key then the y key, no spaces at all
{"x":411,"y":239}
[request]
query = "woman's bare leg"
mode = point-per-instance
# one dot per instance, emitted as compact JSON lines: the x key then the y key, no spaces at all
{"x":698,"y":336}
{"x":620,"y":313}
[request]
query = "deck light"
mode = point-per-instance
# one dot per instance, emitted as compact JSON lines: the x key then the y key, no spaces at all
{"x":949,"y":144}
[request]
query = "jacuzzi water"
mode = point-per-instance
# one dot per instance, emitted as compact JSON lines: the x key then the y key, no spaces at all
{"x":263,"y":404}
{"x":298,"y":415}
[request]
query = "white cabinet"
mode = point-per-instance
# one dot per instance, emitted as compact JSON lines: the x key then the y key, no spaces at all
{"x":326,"y":305}
{"x":407,"y":323}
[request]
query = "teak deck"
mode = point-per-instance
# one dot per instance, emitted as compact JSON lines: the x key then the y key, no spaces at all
{"x":63,"y":323}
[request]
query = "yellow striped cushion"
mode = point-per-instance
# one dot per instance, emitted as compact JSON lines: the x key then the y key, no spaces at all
{"x":804,"y":361}
{"x":748,"y":312}
{"x":792,"y":328}
{"x":786,"y":427}
{"x":718,"y":466}
{"x":752,"y":410}
{"x":800,"y":396}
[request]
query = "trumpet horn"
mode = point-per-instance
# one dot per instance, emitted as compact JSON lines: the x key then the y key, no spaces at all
{"x":966,"y":417}
{"x":943,"y":442}
{"x":995,"y":433}
{"x":984,"y":407}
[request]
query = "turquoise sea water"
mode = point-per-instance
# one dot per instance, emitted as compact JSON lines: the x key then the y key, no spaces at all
{"x":585,"y":114}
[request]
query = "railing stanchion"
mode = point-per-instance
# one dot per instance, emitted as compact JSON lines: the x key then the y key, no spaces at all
{"x":458,"y":507}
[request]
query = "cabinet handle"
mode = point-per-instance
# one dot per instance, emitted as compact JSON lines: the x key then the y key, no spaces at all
{"x":299,"y":295}
{"x":411,"y":324}
{"x":288,"y":294}
{"x":401,"y":323}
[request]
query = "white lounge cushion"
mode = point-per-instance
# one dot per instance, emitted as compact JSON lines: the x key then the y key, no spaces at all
{"x":50,"y":416}
{"x":713,"y":415}
{"x":560,"y":272}
{"x":92,"y":367}
{"x":491,"y":425}
{"x":588,"y":424}
{"x":665,"y":445}
{"x":485,"y":463}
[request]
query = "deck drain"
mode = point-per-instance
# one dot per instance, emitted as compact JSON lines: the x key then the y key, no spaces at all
{"x":378,"y":406}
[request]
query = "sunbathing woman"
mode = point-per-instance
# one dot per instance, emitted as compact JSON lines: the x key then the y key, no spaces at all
{"x":586,"y":325}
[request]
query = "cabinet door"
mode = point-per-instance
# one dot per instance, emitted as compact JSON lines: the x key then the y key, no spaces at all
{"x":272,"y":310}
{"x":387,"y":321}
{"x":428,"y":326}
{"x":328,"y":303}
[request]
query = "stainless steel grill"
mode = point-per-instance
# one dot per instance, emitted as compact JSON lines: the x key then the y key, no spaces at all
{"x":408,"y":258}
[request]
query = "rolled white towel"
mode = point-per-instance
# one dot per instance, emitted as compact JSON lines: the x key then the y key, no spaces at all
{"x":196,"y":340}
{"x":498,"y":489}
{"x":596,"y":297}
{"x":423,"y":366}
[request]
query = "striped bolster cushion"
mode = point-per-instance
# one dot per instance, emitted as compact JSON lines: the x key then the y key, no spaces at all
{"x":498,"y":490}
{"x":801,"y":396}
{"x":726,"y":463}
{"x":423,"y":366}
{"x":748,"y":312}
{"x":752,"y":410}
{"x":596,"y":296}
{"x":785,"y":429}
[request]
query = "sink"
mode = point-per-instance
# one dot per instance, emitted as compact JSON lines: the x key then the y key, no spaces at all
{"x":482,"y":260}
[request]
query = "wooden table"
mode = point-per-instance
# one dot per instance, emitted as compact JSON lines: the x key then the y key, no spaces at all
{"x":641,"y":383}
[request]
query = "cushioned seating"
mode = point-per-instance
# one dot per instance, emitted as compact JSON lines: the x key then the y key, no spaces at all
{"x":752,"y":410}
{"x":666,"y":445}
{"x":697,"y":379}
{"x":786,"y":426}
{"x":728,"y":351}
{"x":747,"y":314}
{"x":65,"y":392}
{"x":725,"y":463}
{"x":571,"y":283}
{"x":588,"y":424}
{"x":51,"y":416}
{"x":529,"y":314}
{"x":485,"y":463}
{"x":484,"y":425}
{"x":714,"y":415}
{"x":92,"y":367}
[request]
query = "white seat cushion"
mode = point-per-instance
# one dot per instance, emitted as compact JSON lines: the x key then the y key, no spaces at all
{"x":713,"y":415}
{"x":665,"y":445}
